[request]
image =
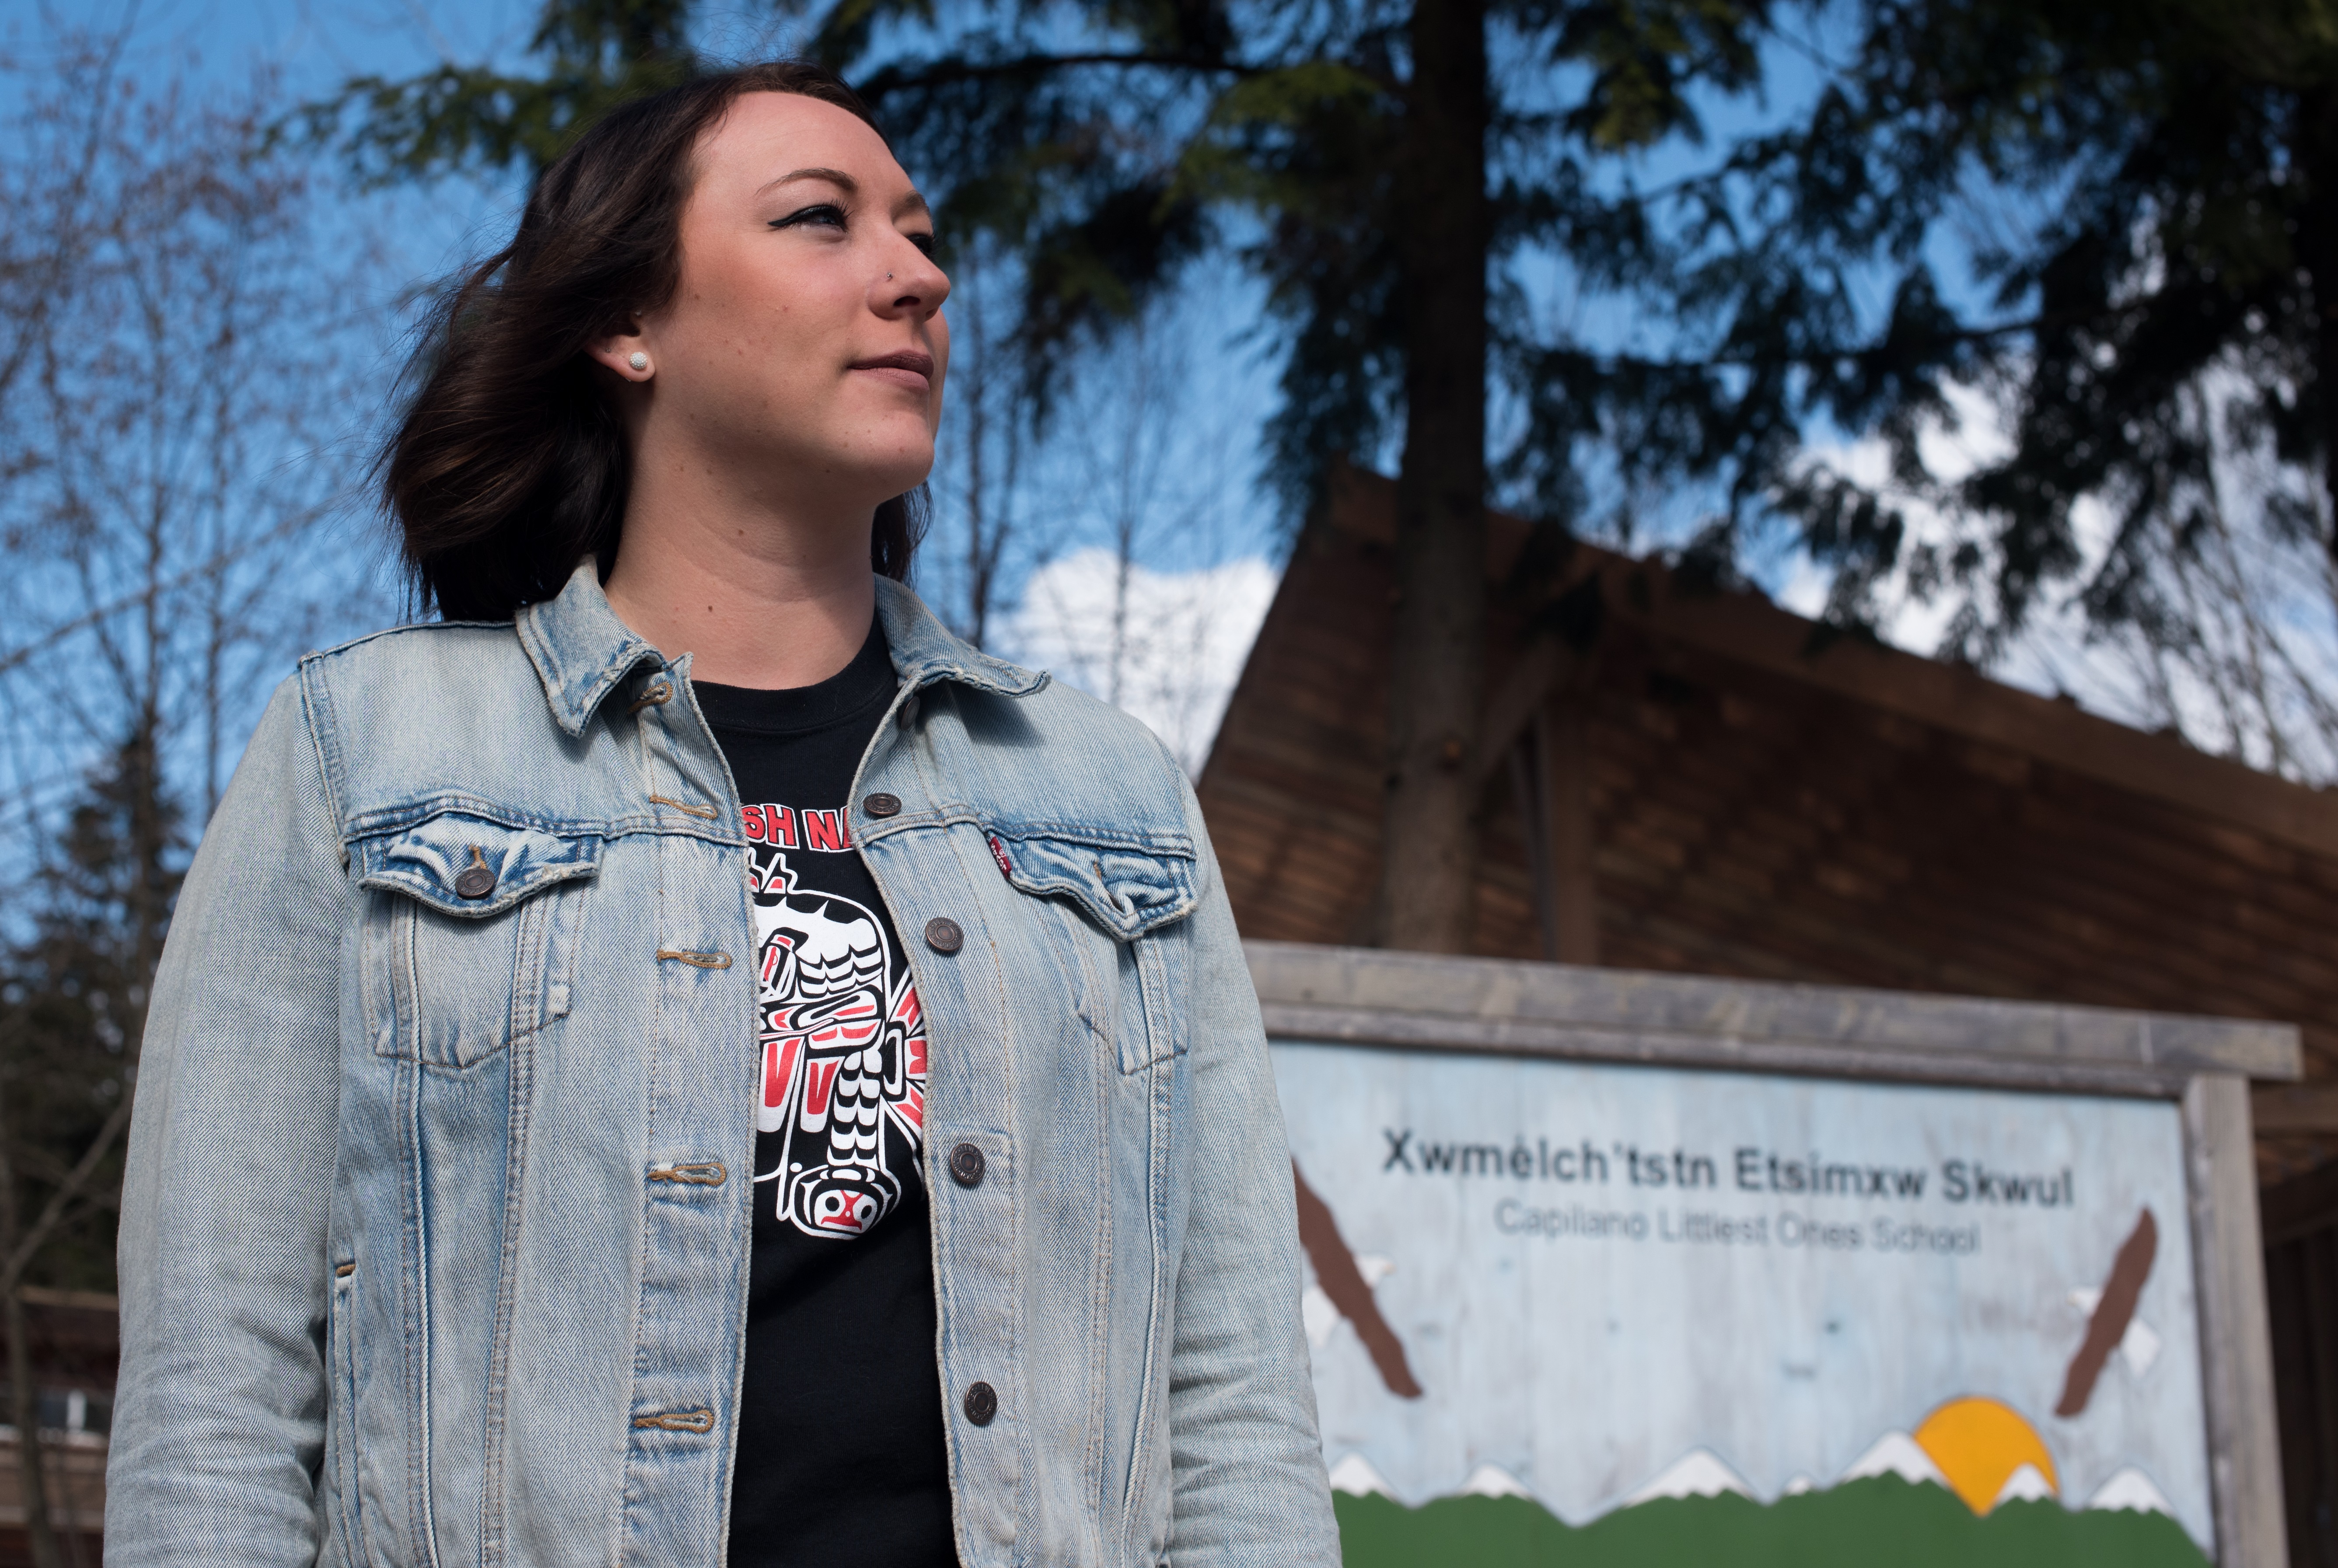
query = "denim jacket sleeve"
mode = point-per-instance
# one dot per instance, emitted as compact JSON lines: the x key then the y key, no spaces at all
{"x":1246,"y":1457}
{"x":220,"y":1424}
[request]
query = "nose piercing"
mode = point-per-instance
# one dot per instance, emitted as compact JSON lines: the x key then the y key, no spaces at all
{"x":888,"y":276}
{"x":639,"y":361}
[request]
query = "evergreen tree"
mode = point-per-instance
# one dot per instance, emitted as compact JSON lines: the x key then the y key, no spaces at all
{"x":72,"y":1007}
{"x":1386,"y":170}
{"x":2157,"y":190}
{"x":596,"y":55}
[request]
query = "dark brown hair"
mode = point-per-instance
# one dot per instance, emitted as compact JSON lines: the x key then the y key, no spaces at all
{"x":509,"y":464}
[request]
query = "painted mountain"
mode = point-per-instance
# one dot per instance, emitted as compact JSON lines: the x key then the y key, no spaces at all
{"x":1856,"y":1523}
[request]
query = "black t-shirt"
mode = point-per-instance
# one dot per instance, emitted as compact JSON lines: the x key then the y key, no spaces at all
{"x":840,"y":1447}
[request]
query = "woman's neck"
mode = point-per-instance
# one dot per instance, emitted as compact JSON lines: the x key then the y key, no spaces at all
{"x":760,"y":592}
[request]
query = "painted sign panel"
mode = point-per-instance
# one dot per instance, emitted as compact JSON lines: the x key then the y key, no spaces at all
{"x":1594,"y":1290}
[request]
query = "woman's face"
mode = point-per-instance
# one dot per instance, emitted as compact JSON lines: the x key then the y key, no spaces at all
{"x":801,"y":356}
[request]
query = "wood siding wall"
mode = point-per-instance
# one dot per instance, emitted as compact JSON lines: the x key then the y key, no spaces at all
{"x":2300,"y":1228}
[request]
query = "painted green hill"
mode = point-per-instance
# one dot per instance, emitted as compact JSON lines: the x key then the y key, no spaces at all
{"x":1869,"y":1524}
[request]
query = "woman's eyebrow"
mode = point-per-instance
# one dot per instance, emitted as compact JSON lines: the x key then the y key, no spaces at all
{"x":836,"y":177}
{"x":912,"y":202}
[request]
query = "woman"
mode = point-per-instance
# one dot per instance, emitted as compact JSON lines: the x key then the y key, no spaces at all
{"x":683,"y":1061}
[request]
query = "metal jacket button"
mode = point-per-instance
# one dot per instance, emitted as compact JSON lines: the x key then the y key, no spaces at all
{"x":966,"y":1164}
{"x":981,"y":1404}
{"x":943,"y":935}
{"x":882,"y":805}
{"x":476,"y":880}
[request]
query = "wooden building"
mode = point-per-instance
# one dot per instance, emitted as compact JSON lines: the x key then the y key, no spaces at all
{"x":74,"y":1342}
{"x":1683,"y":777}
{"x":1711,"y":787}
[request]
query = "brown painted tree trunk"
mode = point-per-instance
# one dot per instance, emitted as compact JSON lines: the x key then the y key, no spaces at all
{"x":1429,"y":854}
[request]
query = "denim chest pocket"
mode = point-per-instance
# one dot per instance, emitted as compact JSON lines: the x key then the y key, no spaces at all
{"x":471,"y":934}
{"x":1135,"y":897}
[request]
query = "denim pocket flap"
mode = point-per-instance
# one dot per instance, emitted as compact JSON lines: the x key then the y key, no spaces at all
{"x":471,"y":867}
{"x":1126,"y":889}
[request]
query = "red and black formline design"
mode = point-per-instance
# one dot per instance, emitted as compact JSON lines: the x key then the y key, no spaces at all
{"x":841,"y":1111}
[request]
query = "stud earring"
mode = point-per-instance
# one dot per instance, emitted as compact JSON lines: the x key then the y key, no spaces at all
{"x":639,"y":361}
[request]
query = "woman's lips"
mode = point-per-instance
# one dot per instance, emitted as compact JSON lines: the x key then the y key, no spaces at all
{"x":908,"y":369}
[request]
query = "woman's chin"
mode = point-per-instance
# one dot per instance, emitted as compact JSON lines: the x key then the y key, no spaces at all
{"x":892,"y":471}
{"x":844,"y":471}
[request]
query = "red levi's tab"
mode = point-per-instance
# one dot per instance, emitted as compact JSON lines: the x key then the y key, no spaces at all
{"x":998,"y":853}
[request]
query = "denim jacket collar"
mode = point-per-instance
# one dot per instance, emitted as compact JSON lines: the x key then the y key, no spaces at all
{"x":924,"y":652}
{"x":581,"y":650}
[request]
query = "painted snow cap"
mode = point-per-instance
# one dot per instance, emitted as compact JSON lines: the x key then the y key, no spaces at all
{"x":2130,"y":1488}
{"x":2139,"y":1347}
{"x":2024,"y":1485}
{"x":1800,"y":1485}
{"x":1895,"y":1454}
{"x":1355,"y":1475}
{"x":1699,"y":1473}
{"x":1493,"y":1481}
{"x":1317,"y":1311}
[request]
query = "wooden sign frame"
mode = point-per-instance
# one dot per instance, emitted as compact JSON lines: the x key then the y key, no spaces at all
{"x":1422,"y":1002}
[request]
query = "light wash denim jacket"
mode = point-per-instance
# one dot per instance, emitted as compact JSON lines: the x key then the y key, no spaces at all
{"x":435,"y":1234}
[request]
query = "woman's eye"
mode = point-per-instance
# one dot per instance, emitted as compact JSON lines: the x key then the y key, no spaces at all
{"x":826,"y":214}
{"x":924,"y":242}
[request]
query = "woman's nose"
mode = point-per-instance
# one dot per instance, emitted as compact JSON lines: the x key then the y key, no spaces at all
{"x":910,"y":284}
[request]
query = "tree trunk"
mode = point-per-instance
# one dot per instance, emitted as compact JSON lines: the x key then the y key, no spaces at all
{"x":1429,"y":855}
{"x":23,"y":1394}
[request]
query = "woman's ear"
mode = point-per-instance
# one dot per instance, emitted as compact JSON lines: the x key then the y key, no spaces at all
{"x":626,"y":352}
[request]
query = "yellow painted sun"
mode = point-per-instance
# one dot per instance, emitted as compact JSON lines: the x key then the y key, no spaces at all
{"x":1981,"y":1445}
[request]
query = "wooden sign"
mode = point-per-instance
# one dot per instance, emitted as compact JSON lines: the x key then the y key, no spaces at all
{"x":1616,"y":1268}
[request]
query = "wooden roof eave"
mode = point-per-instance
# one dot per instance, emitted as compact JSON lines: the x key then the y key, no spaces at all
{"x":1964,"y":703}
{"x":1957,"y":699}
